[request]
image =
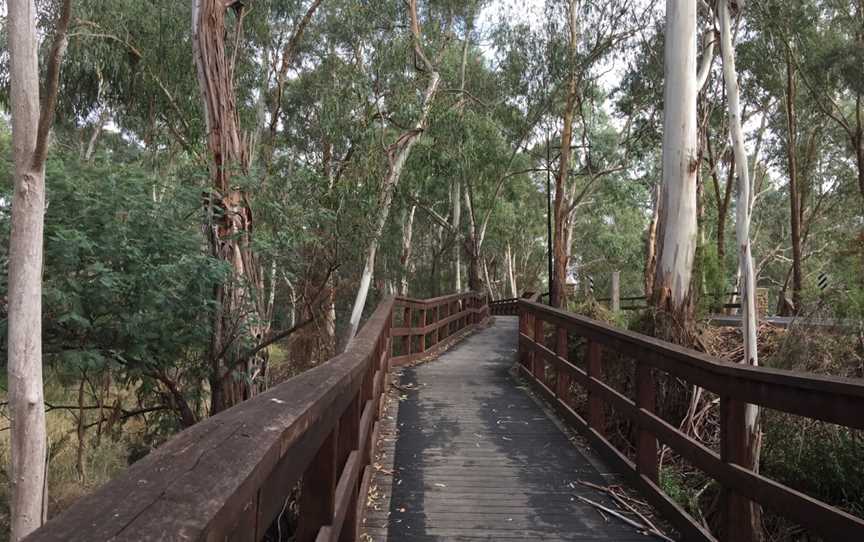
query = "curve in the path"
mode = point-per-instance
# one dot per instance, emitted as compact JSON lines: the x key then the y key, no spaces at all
{"x":476,"y":458}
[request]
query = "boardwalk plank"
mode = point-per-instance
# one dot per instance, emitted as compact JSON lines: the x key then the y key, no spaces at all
{"x":477,"y":459}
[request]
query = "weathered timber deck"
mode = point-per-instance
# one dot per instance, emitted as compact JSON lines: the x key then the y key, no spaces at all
{"x":476,"y":458}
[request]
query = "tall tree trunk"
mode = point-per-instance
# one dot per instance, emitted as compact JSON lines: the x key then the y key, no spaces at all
{"x":651,"y":245}
{"x":397,"y":155}
{"x":31,"y":125}
{"x":474,"y":243}
{"x":561,"y":215}
{"x":98,"y":126}
{"x":405,"y":260}
{"x":456,"y":189}
{"x":753,"y":519}
{"x":456,"y":194}
{"x":794,"y":189}
{"x":677,"y":229}
{"x":229,"y":214}
{"x":489,"y":284}
{"x":511,"y":272}
{"x":858,"y":143}
{"x":81,"y":432}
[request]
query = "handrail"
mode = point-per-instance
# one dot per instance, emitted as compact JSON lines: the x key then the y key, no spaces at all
{"x":830,"y":399}
{"x":510,"y":306}
{"x":230,"y":476}
{"x":447,"y":317}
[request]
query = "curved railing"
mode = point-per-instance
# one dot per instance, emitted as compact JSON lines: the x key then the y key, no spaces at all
{"x":510,"y":306}
{"x":230,"y":476}
{"x":425,"y":326}
{"x":552,"y":371}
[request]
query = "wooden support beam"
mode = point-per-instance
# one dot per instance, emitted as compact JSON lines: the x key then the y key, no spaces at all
{"x":646,"y":442}
{"x":596,"y":416}
{"x":736,"y":509}
{"x":563,"y":380}
{"x":317,"y":492}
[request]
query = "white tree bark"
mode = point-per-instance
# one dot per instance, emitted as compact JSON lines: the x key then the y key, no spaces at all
{"x":407,"y":237}
{"x":400,"y":152}
{"x":457,"y":231}
{"x":489,"y":284}
{"x":742,"y":207}
{"x":511,"y":271}
{"x":26,"y":401}
{"x":677,"y":237}
{"x":30,"y":128}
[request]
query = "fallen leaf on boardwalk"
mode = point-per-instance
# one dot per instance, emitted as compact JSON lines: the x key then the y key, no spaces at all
{"x":441,"y":485}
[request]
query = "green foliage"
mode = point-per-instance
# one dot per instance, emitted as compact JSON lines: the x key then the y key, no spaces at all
{"x":818,"y":459}
{"x":714,"y":278}
{"x":127,"y":287}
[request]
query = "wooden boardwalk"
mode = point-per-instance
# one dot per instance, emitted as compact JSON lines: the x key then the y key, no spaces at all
{"x":476,"y":458}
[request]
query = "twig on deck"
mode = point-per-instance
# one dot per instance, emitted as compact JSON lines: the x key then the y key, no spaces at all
{"x":622,"y":517}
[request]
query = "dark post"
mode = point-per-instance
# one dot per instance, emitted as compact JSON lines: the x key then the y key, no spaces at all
{"x":646,"y":445}
{"x":733,"y":449}
{"x":563,"y":378}
{"x":317,"y":494}
{"x":422,"y":333}
{"x":539,"y":366}
{"x":406,"y":323}
{"x":596,"y":416}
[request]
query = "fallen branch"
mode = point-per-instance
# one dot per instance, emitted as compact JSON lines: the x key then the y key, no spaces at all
{"x":641,"y":527}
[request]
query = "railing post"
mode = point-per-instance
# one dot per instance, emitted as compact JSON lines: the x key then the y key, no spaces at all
{"x":422,"y":347}
{"x":562,"y":382}
{"x":317,"y":493}
{"x":615,"y":303}
{"x":737,"y":512}
{"x":646,"y":444}
{"x":437,"y":319}
{"x":539,"y":366}
{"x":596,"y":416}
{"x":348,"y":441}
{"x":528,"y":329}
{"x":406,"y":322}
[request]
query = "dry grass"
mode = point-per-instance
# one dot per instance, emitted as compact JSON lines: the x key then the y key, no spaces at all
{"x":103,"y":460}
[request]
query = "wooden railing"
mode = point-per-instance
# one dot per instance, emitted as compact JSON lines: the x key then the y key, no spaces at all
{"x":230,"y":476}
{"x":510,"y":306}
{"x":640,"y":302}
{"x":504,"y":307}
{"x":834,"y":400}
{"x":427,"y":325}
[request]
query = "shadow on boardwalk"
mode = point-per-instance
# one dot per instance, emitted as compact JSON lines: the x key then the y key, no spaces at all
{"x":477,"y":459}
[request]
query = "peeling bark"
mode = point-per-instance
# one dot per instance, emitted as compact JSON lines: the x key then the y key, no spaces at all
{"x":229,"y":220}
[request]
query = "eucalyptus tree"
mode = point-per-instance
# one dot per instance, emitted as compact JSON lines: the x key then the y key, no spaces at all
{"x":752,"y":518}
{"x":31,"y":126}
{"x":787,"y":34}
{"x":677,"y":202}
{"x":397,"y":155}
{"x":564,"y":62}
